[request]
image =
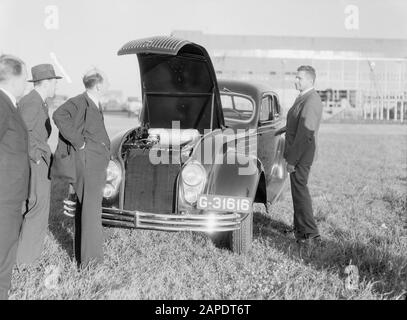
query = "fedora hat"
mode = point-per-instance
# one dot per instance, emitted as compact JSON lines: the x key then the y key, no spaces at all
{"x":42,"y":72}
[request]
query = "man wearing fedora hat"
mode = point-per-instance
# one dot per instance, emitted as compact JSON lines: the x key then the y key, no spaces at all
{"x":34,"y":111}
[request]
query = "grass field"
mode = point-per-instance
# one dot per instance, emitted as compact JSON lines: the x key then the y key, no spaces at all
{"x":359,"y":190}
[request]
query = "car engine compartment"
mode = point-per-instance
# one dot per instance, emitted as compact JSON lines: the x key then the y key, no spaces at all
{"x":145,"y":138}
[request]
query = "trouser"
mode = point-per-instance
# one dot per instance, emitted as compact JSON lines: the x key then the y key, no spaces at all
{"x":91,"y":179}
{"x":304,"y":223}
{"x":10,"y":224}
{"x":35,"y":222}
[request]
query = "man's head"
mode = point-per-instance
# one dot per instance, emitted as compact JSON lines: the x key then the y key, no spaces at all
{"x":96,"y":82}
{"x":305,"y":78}
{"x":47,"y":86}
{"x":13,"y":75}
{"x":45,"y":79}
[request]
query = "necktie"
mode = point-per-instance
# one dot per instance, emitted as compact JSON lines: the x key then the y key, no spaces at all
{"x":45,"y":106}
{"x":100,"y":109}
{"x":47,"y":121}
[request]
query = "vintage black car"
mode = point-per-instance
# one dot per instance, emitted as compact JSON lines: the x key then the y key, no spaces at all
{"x":204,"y":152}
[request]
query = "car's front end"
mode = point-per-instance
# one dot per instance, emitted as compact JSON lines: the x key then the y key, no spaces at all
{"x":153,"y":182}
{"x":180,"y":170}
{"x":141,"y":193}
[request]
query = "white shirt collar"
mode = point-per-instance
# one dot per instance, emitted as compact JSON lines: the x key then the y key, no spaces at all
{"x":93,"y":98}
{"x":11,"y":97}
{"x":305,"y":91}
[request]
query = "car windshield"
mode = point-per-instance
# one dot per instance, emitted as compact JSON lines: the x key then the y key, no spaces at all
{"x":236,"y":107}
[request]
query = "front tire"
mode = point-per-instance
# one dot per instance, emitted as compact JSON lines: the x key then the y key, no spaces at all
{"x":238,"y":241}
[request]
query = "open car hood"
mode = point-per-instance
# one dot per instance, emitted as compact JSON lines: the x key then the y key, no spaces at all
{"x":178,"y":84}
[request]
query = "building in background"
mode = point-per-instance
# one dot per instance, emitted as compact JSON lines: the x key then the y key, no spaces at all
{"x":366,"y":75}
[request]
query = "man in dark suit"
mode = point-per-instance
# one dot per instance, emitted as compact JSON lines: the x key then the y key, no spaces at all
{"x":34,"y":111}
{"x":14,"y":165}
{"x":302,"y":127}
{"x":80,"y":122}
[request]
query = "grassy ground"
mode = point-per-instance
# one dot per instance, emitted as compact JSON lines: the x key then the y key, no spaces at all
{"x":359,"y":190}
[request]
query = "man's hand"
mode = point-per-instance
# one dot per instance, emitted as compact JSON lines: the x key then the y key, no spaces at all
{"x":280,"y":131}
{"x":290,"y":168}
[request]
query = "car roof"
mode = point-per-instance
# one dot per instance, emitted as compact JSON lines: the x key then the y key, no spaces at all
{"x":250,"y":88}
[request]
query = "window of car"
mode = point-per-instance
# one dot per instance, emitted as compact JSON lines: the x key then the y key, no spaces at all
{"x":227,"y":102}
{"x":237,"y":107}
{"x":265,"y":109}
{"x":275,"y":107}
{"x":270,"y":108}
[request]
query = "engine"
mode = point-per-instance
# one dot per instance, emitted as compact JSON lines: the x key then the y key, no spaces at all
{"x":153,"y":158}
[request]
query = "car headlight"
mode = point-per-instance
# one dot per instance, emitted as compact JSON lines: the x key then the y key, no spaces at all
{"x":193,"y":174}
{"x":113,"y":171}
{"x":193,"y":181}
{"x":108,"y":191}
{"x":113,"y":179}
{"x":191,"y":194}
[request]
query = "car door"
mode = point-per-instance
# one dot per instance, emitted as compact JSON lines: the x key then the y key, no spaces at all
{"x":269,"y":145}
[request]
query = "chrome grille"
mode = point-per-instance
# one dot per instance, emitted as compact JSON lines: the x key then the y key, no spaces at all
{"x":149,"y":187}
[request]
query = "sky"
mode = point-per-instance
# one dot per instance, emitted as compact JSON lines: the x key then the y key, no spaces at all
{"x":88,"y":33}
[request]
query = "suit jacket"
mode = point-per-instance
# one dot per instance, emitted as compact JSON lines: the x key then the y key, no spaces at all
{"x":303,"y":120}
{"x":34,"y":112}
{"x":79,"y":120}
{"x":14,"y":161}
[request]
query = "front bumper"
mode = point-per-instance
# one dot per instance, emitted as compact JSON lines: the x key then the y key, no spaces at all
{"x":206,"y":222}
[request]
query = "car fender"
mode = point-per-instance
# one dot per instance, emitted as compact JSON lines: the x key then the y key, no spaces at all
{"x":117,"y":142}
{"x":227,"y":179}
{"x":239,"y":178}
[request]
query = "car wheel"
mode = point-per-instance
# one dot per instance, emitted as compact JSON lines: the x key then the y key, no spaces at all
{"x":241,"y":240}
{"x":238,"y":241}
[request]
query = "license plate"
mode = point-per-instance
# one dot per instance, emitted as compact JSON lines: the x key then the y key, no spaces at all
{"x":224,"y":203}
